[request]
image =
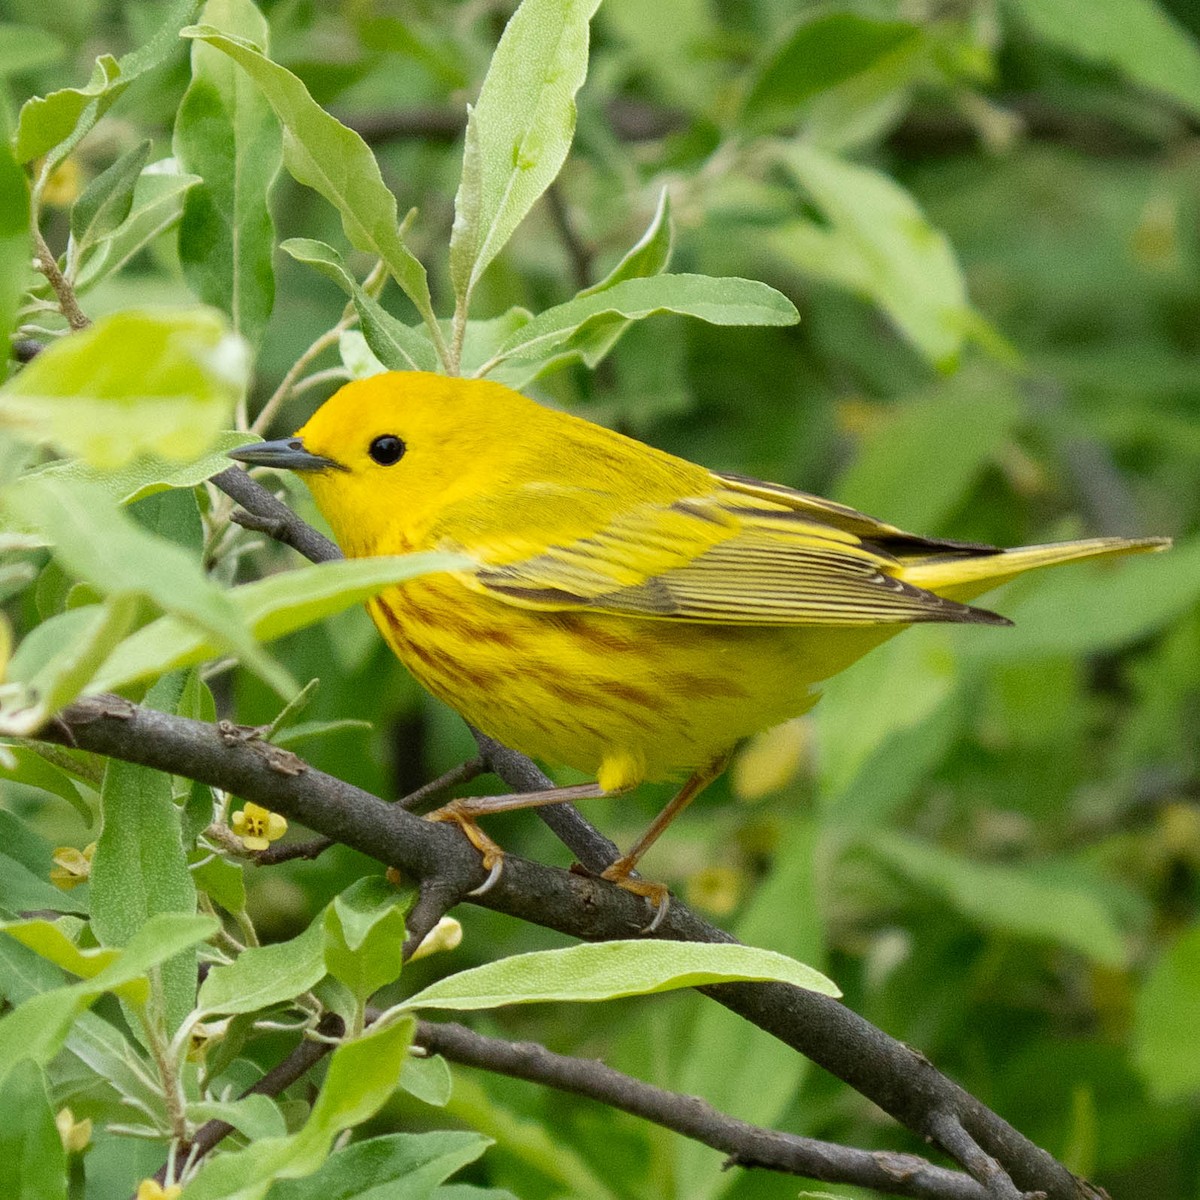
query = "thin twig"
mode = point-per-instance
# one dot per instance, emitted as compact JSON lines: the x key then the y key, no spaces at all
{"x":747,"y":1145}
{"x":436,"y":788}
{"x":65,"y":293}
{"x":287,"y":851}
{"x":276,"y":1081}
{"x":578,"y":251}
{"x":287,"y":383}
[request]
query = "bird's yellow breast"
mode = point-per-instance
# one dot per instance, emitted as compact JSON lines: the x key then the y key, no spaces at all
{"x":621,"y":698}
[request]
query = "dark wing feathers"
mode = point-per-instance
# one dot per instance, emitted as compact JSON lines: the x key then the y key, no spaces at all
{"x":747,"y":553}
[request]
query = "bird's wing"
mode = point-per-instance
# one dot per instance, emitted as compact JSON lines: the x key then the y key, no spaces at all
{"x":729,"y":556}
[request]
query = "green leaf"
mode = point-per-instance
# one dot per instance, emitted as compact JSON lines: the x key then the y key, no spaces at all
{"x":877,"y":243}
{"x":271,"y":608}
{"x":105,"y":547}
{"x":608,"y":970}
{"x":1165,"y":1047}
{"x":16,"y":248}
{"x":255,"y":1116}
{"x":33,"y":1164}
{"x":139,"y":871}
{"x":224,"y":883}
{"x":38,"y":1027}
{"x":428,"y":1079}
{"x":519,"y":131}
{"x":362,"y":1075}
{"x":158,"y":199}
{"x":147,"y":476}
{"x":718,"y":301}
{"x":969,"y":419}
{"x":135,"y":383}
{"x":62,"y":119}
{"x":82,"y":639}
{"x":1135,"y":36}
{"x":23,"y":889}
{"x":27,"y":766}
{"x":105,"y":203}
{"x":825,"y":49}
{"x":397,"y":1166}
{"x":364,"y":935}
{"x":1019,"y":901}
{"x":323,"y":154}
{"x":226,"y":132}
{"x":262,"y":976}
{"x":49,"y":940}
{"x":649,"y":255}
{"x":397,"y":347}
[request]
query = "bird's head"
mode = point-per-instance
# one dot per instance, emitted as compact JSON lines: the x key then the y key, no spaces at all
{"x":384,"y":455}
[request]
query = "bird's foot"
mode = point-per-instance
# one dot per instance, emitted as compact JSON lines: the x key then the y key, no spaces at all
{"x":459,"y":813}
{"x":657,"y":895}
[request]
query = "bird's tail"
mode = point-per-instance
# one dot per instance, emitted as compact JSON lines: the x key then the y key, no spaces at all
{"x":965,"y":577}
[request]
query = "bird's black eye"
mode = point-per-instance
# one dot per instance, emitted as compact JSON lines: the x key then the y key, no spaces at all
{"x":386,"y":450}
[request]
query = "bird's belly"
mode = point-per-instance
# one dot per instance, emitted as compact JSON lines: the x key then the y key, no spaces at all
{"x":624,"y":698}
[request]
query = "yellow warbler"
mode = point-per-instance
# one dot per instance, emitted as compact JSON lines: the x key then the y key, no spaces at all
{"x":629,"y":613}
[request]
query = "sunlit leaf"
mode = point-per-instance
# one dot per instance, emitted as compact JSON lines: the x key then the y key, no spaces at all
{"x":138,"y":382}
{"x":226,"y":132}
{"x":611,"y":969}
{"x":519,"y":130}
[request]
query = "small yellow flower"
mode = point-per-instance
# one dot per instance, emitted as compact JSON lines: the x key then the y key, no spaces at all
{"x":445,"y":935}
{"x":258,"y":827}
{"x":71,"y":866}
{"x":75,"y":1134}
{"x":151,"y":1189}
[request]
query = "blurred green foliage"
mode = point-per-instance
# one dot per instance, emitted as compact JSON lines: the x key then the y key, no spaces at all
{"x":987,"y":213}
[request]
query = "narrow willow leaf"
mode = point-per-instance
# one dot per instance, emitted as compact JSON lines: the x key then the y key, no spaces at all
{"x":1164,"y":1048}
{"x":608,"y":970}
{"x":33,"y":1164}
{"x":106,"y":548}
{"x":878,"y":244}
{"x":62,"y":119}
{"x":1137,"y":37}
{"x":270,"y":608}
{"x":262,"y":976}
{"x":255,"y":1116}
{"x":49,"y":941}
{"x":397,"y":1166}
{"x":227,"y":133}
{"x":649,"y":255}
{"x":519,"y":131}
{"x":105,"y":203}
{"x":148,"y":476}
{"x":139,"y":871}
{"x":158,"y":199}
{"x":824,"y":50}
{"x":137,"y":382}
{"x":323,"y":154}
{"x":362,"y":1075}
{"x":37,"y":1028}
{"x":397,"y":347}
{"x":718,"y":301}
{"x":15,"y":246}
{"x":1011,"y":900}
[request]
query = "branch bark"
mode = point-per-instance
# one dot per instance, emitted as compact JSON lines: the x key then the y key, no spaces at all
{"x":747,"y":1145}
{"x":898,"y":1079}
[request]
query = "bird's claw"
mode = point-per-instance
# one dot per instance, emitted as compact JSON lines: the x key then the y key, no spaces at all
{"x":495,"y":869}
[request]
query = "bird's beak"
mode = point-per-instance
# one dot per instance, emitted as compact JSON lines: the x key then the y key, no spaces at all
{"x":288,"y":454}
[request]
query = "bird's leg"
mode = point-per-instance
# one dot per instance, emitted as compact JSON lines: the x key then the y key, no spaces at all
{"x":621,"y":871}
{"x":465,"y":813}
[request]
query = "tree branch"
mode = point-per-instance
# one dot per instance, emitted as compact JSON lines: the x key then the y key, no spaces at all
{"x":898,"y":1079}
{"x":747,"y":1145}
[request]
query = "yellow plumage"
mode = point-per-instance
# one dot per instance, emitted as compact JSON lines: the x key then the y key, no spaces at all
{"x":629,"y":613}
